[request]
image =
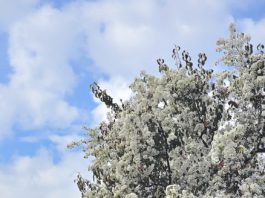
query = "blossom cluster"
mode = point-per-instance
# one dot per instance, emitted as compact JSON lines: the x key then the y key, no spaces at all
{"x":188,"y":133}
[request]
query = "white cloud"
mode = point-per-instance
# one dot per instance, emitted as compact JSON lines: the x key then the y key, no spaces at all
{"x":256,"y":29}
{"x":39,"y":176}
{"x":11,"y":11}
{"x":41,"y":47}
{"x":126,"y":37}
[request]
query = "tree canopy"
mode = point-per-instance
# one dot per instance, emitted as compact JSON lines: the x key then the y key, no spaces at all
{"x":190,"y":132}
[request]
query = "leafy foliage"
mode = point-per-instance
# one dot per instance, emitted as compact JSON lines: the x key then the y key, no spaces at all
{"x":187,"y":133}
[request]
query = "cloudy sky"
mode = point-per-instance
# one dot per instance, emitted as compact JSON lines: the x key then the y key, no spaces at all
{"x":51,"y":50}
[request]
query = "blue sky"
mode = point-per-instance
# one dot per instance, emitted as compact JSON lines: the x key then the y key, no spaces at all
{"x":52,"y":50}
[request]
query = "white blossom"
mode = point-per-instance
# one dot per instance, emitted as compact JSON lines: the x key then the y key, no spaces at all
{"x":180,"y":136}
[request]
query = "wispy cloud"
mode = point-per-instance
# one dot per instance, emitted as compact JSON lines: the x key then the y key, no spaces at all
{"x":40,"y":176}
{"x":11,"y":11}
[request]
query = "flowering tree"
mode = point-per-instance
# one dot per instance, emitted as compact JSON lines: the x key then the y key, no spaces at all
{"x":188,"y":133}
